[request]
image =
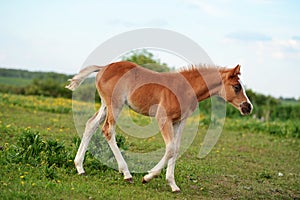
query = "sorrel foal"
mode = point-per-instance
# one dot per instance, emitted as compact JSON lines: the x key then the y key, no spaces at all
{"x":169,"y":97}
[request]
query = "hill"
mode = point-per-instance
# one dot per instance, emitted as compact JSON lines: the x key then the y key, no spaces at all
{"x":29,"y":75}
{"x":25,"y":82}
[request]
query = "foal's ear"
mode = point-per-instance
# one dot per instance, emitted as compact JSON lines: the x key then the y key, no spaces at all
{"x":235,"y":71}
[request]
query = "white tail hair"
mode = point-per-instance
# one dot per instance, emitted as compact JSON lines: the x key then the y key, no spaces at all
{"x":81,"y":76}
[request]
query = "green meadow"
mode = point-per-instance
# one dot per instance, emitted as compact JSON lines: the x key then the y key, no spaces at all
{"x":251,"y":160}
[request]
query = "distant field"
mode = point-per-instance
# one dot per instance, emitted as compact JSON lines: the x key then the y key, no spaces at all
{"x":14,"y":81}
{"x":244,"y":164}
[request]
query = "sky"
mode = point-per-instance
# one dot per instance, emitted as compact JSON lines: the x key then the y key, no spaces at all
{"x":263,"y":36}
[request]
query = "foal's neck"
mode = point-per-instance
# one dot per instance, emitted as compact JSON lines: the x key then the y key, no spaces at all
{"x":205,"y":81}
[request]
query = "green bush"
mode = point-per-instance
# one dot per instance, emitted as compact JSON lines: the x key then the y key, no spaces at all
{"x":31,"y":149}
{"x":51,"y":155}
{"x":290,"y":128}
{"x":48,"y":87}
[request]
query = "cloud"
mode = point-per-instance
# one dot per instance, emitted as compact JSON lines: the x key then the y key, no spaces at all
{"x":261,"y":2}
{"x":207,"y":7}
{"x":3,"y":56}
{"x":156,"y":22}
{"x":296,"y":37}
{"x":119,"y":22}
{"x":248,"y":36}
{"x":280,"y":48}
{"x":264,"y":46}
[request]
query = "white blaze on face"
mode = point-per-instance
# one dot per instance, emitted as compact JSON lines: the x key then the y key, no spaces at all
{"x":244,"y":93}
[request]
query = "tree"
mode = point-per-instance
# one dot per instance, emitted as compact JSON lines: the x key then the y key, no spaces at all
{"x":146,"y":59}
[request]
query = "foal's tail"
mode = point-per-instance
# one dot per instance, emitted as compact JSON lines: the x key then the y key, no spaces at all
{"x":83,"y":74}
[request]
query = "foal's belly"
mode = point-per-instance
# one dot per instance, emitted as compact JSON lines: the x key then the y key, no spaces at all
{"x":148,"y":98}
{"x":144,"y":100}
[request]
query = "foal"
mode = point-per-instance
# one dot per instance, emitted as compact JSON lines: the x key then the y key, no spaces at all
{"x":169,"y":97}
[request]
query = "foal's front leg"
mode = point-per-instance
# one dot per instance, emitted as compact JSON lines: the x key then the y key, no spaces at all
{"x":166,"y":128}
{"x":178,"y":128}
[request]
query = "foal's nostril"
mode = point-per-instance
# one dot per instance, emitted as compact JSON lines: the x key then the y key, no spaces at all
{"x":246,"y":108}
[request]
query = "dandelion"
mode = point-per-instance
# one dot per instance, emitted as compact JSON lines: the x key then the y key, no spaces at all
{"x":72,"y":188}
{"x":8,"y":125}
{"x":48,"y":129}
{"x":33,"y":184}
{"x":201,"y":189}
{"x":22,"y":182}
{"x":61,"y":130}
{"x":55,"y":120}
{"x":22,"y":177}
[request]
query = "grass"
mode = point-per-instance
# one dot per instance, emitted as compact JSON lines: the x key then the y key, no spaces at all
{"x":243,"y":164}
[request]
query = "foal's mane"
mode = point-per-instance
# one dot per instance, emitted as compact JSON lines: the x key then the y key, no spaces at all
{"x":202,"y":68}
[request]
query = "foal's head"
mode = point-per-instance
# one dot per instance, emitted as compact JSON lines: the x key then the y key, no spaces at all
{"x":233,"y":91}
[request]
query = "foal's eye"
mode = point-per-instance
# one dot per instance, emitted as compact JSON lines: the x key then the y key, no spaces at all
{"x":237,"y":88}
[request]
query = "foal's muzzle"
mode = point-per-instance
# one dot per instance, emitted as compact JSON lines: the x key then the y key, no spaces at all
{"x":246,"y":108}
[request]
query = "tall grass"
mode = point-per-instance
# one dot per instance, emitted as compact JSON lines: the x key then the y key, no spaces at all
{"x":31,"y":149}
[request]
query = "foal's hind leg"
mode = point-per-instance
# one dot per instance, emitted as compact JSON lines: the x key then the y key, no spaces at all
{"x":110,"y":134}
{"x":91,"y":126}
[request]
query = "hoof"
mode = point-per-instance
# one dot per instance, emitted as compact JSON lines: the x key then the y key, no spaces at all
{"x":144,"y":181}
{"x":176,"y":191}
{"x":129,"y":180}
{"x":83,"y":174}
